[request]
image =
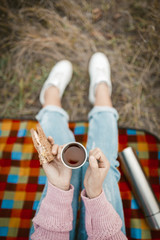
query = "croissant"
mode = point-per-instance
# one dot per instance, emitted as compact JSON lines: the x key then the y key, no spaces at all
{"x":42,"y":145}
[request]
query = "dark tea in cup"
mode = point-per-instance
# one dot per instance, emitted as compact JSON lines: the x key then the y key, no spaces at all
{"x":74,"y":155}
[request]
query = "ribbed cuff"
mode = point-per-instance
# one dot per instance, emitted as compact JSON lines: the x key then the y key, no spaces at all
{"x":104,"y":220}
{"x":97,"y":203}
{"x":60,"y":196}
{"x":55,"y":213}
{"x":98,"y":109}
{"x":51,"y":108}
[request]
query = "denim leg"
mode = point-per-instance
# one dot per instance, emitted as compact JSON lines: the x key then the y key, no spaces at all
{"x":54,"y":121}
{"x":103,"y":133}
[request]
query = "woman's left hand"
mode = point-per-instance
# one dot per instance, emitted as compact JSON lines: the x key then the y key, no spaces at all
{"x":57,"y":174}
{"x":96,"y":173}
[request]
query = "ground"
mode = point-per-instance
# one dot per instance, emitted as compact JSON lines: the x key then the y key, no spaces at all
{"x":35,"y":34}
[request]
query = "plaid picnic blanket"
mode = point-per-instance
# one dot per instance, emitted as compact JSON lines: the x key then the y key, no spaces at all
{"x":22,"y":179}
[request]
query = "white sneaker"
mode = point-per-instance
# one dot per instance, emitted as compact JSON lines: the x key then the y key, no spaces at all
{"x":99,"y":71}
{"x":59,"y":77}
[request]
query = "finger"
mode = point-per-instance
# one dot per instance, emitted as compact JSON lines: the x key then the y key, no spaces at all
{"x":59,"y":152}
{"x":97,"y":155}
{"x":93,"y":163}
{"x":51,"y":140}
{"x":96,"y":150}
{"x":55,"y":149}
{"x":91,"y":152}
{"x":103,"y":161}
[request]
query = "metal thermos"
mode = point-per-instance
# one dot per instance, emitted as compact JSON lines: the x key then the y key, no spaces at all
{"x":141,"y":187}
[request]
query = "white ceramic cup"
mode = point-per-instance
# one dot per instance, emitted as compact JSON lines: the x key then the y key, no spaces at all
{"x":74,"y":155}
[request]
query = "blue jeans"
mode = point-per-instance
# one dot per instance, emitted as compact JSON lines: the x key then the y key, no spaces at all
{"x":102,"y":133}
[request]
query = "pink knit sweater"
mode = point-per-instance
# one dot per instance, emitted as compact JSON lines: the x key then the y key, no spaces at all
{"x":54,"y":218}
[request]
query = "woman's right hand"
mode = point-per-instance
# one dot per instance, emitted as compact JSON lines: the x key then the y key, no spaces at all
{"x":96,"y":173}
{"x":57,"y":174}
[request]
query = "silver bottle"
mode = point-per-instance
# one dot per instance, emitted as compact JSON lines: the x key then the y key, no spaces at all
{"x":141,"y":187}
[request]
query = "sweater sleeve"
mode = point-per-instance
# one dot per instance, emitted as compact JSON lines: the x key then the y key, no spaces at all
{"x":55,"y":216}
{"x":102,"y":221}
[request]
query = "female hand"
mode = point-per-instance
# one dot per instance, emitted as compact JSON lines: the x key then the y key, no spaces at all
{"x":96,"y":173}
{"x":56,"y":172}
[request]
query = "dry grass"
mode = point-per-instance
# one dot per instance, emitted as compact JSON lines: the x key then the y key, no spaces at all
{"x":36,"y":34}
